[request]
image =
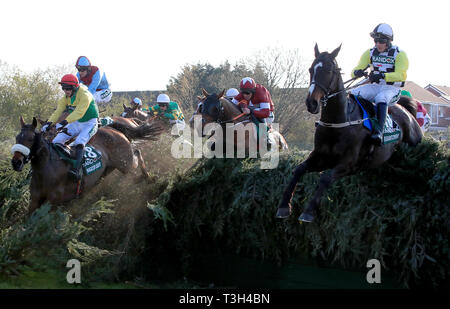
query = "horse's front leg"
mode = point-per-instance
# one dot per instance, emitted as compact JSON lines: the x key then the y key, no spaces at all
{"x":285,"y":208}
{"x":326,"y":179}
{"x":35,"y":202}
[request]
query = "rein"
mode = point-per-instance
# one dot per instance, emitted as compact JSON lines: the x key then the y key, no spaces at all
{"x":232,"y":119}
{"x":229,"y":120}
{"x":325,"y":99}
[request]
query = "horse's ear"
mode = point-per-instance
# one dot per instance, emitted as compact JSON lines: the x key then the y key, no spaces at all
{"x":316,"y":51}
{"x":124,"y":107}
{"x":221,"y":94}
{"x":204,"y":92}
{"x":41,"y":122}
{"x":22,"y":122}
{"x":34,"y":122}
{"x":335,"y":52}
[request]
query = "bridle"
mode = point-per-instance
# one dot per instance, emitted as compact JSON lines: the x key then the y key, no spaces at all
{"x":327,"y":89}
{"x":221,"y":115}
{"x":33,"y":148}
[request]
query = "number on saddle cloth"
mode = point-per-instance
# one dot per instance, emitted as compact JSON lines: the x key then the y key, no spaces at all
{"x":91,"y":159}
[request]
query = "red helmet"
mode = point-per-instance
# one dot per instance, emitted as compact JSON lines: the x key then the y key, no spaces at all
{"x":247,"y":85}
{"x":70,"y":79}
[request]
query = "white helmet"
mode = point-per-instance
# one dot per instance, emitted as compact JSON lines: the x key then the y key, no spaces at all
{"x":137,"y":101}
{"x":231,"y":93}
{"x":383,"y":31}
{"x":163,"y":98}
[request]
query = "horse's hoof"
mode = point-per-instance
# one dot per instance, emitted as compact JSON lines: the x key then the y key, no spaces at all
{"x":304,"y":217}
{"x":283,"y":213}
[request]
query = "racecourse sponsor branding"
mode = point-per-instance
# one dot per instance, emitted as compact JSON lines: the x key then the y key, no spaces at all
{"x":92,"y":160}
{"x":383,"y":59}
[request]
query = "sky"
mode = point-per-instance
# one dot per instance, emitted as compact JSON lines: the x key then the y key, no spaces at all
{"x":140,"y":45}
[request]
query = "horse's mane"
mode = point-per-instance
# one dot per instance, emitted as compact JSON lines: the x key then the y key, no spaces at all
{"x":228,"y":103}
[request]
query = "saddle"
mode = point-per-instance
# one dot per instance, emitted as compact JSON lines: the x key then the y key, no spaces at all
{"x":91,"y":159}
{"x":391,"y":130}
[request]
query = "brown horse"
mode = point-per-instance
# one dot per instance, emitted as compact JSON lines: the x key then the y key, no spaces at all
{"x":341,"y":142}
{"x":141,"y":116}
{"x":50,"y":180}
{"x":215,"y":108}
{"x":132,"y":128}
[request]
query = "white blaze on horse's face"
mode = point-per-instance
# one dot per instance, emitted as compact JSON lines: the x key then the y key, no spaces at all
{"x":313,"y":79}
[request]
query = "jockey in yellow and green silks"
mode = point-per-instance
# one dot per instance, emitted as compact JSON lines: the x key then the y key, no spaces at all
{"x":169,"y":110}
{"x":82,"y":121}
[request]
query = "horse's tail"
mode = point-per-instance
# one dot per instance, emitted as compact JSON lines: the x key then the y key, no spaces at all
{"x":409,"y":104}
{"x":146,"y":130}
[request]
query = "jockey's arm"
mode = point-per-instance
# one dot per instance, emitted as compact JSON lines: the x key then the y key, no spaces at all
{"x":364,"y":61}
{"x":80,"y":109}
{"x":59,"y":110}
{"x":263,"y":111}
{"x":170,"y":116}
{"x":401,"y":66}
{"x":95,"y":82}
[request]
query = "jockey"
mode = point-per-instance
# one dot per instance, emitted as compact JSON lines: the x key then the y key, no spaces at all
{"x":168,"y":109}
{"x":81,"y":123}
{"x":231,"y":93}
{"x":94,"y":79}
{"x":136,"y":103}
{"x":255,"y":98}
{"x":422,"y":117}
{"x":388,"y":75}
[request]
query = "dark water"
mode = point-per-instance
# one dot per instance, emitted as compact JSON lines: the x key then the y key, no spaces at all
{"x":240,"y":272}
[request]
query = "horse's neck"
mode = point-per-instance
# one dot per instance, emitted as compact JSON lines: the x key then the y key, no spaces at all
{"x":229,"y":110}
{"x":141,"y":115}
{"x":42,"y":154}
{"x":335,"y":110}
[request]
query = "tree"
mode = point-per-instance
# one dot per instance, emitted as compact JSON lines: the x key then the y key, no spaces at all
{"x":27,"y":95}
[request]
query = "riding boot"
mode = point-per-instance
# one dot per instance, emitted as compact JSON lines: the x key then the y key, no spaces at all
{"x":75,"y":172}
{"x":377,"y":135}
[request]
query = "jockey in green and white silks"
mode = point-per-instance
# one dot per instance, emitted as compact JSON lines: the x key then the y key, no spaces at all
{"x":170,"y":110}
{"x":81,"y":122}
{"x":388,"y":75}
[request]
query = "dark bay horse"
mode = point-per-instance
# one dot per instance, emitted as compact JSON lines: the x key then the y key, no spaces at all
{"x":341,"y":143}
{"x":215,"y":108}
{"x":50,"y":181}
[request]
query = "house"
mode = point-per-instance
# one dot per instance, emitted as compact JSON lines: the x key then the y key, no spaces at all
{"x":436,"y":100}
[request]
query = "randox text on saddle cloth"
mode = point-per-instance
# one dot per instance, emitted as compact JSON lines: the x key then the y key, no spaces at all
{"x":190,"y":144}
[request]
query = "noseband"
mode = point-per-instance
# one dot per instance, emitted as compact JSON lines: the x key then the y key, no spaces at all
{"x":220,"y":116}
{"x":336,"y":71}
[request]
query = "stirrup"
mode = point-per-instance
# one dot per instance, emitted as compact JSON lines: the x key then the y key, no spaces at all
{"x":75,"y":175}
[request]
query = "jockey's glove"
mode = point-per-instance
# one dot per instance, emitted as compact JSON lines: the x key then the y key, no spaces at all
{"x":375,"y":76}
{"x":358,"y":73}
{"x":46,"y":127}
{"x":61,"y":124}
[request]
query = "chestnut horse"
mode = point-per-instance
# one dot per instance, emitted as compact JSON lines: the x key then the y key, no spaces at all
{"x":341,"y":142}
{"x":141,"y":116}
{"x":50,"y":181}
{"x":215,"y":108}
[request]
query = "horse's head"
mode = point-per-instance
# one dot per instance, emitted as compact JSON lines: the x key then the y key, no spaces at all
{"x":212,"y":107}
{"x":198,"y":111}
{"x":129,"y":112}
{"x":324,"y":73}
{"x":26,"y":142}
